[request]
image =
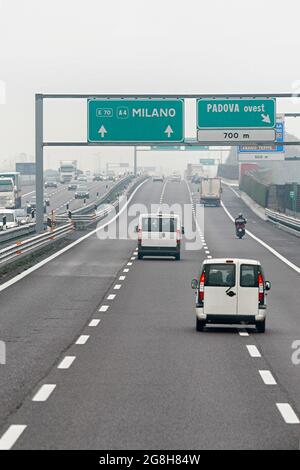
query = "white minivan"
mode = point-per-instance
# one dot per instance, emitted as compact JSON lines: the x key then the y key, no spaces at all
{"x":159,"y":235}
{"x":231,"y":291}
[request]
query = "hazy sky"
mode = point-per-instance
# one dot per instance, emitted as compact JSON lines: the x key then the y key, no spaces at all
{"x":139,"y":46}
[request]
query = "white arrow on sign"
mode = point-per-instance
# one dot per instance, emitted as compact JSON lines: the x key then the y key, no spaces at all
{"x":169,"y":131}
{"x":102,"y":131}
{"x":266,"y":118}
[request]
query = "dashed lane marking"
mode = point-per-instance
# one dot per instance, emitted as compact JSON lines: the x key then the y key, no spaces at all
{"x":129,"y":264}
{"x":111,"y":296}
{"x":122,"y":278}
{"x":66,"y":362}
{"x":11,"y":436}
{"x":104,"y":308}
{"x":95,"y":322}
{"x":253,"y":351}
{"x":126,"y":270}
{"x":267,"y":377}
{"x":243,"y":333}
{"x":117,"y":286}
{"x":288,"y":413}
{"x":44,"y":392}
{"x":82,"y":339}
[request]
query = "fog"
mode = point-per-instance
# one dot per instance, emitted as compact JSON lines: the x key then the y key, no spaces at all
{"x":133,"y":46}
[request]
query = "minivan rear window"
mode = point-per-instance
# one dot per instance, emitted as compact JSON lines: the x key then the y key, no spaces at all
{"x":220,"y":275}
{"x":249,"y":275}
{"x":159,"y":224}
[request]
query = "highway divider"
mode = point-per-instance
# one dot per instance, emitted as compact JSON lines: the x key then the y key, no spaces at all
{"x":16,"y":232}
{"x":19,"y":248}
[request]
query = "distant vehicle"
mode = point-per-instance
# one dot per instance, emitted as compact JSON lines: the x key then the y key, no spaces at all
{"x":196,"y":179}
{"x":31,"y":205}
{"x":51,"y":184}
{"x":21,"y":216}
{"x":67,"y":171}
{"x":111,"y":175}
{"x":159,"y":235}
{"x":157,"y":177}
{"x":210,"y":191}
{"x":82,"y":179}
{"x":11,"y":220}
{"x":47,"y":201}
{"x":72,"y":187}
{"x":82,"y":192}
{"x":231,"y":291}
{"x":98,"y":177}
{"x":176,"y":177}
{"x":10,"y":190}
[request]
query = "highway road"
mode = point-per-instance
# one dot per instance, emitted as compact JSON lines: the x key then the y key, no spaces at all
{"x":60,"y":196}
{"x":102,"y":351}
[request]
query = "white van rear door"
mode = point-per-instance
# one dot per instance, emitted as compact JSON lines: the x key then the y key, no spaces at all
{"x":150,"y":231}
{"x":168,"y":236}
{"x":248,"y":289}
{"x":220,"y":289}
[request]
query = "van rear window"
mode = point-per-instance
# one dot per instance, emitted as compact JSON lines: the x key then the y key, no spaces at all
{"x":220,"y":275}
{"x":159,"y":224}
{"x":249,"y":275}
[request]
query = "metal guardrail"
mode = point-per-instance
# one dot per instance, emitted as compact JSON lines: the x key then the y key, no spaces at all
{"x":12,"y":252}
{"x":16,"y":232}
{"x":282,"y":219}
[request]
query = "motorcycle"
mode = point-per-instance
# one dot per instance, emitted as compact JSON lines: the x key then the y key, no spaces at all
{"x":240,"y":230}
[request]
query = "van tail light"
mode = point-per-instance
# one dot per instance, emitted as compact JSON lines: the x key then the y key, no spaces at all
{"x":178,"y":236}
{"x":201,"y":287}
{"x":261,"y":291}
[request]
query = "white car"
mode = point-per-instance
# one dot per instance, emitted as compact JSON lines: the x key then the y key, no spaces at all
{"x":159,"y":235}
{"x":11,"y":219}
{"x":176,"y":177}
{"x":231,"y":291}
{"x":157,"y":177}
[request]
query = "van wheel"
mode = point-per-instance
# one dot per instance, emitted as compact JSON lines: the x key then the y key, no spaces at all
{"x":261,"y":326}
{"x":140,"y":256}
{"x":200,"y":325}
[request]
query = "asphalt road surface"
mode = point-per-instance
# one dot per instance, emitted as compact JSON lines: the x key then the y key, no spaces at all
{"x":102,"y":351}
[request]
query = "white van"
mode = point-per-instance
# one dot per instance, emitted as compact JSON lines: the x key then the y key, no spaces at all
{"x":11,"y":219}
{"x":159,"y":235}
{"x":231,"y":291}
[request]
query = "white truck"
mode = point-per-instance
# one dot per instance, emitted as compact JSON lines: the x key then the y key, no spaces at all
{"x":10,"y":190}
{"x":210,"y":191}
{"x":67,"y":171}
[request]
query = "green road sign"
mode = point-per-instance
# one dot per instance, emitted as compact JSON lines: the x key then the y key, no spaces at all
{"x":241,"y":113}
{"x":137,"y":121}
{"x":292,"y":194}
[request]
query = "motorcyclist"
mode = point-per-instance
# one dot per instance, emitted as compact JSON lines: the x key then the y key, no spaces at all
{"x":240,"y":221}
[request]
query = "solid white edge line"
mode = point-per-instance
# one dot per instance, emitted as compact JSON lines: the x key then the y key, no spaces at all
{"x":265,"y":245}
{"x":11,"y":436}
{"x":69,"y":247}
{"x":44,"y":392}
{"x":288,"y":413}
{"x":66,"y":362}
{"x":253,"y":351}
{"x":82,"y":339}
{"x":267,"y":377}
